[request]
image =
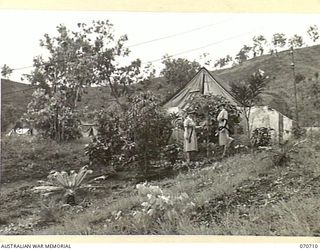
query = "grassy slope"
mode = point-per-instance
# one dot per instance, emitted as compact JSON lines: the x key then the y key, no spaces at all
{"x":14,"y":100}
{"x":307,"y":63}
{"x":15,"y":93}
{"x":242,"y":195}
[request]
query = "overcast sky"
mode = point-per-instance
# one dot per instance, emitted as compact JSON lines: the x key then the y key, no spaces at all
{"x":186,"y":35}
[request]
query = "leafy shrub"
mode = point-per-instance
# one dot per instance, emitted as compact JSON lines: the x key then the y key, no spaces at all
{"x":149,"y":127}
{"x":110,"y":147}
{"x":261,"y":137}
{"x":171,"y":152}
{"x":136,"y":134}
{"x":52,"y":116}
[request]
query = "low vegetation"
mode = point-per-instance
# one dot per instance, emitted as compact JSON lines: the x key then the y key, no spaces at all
{"x":245,"y":194}
{"x":65,"y":184}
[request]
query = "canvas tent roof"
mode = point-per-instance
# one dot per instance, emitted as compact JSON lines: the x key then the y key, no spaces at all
{"x":202,"y":83}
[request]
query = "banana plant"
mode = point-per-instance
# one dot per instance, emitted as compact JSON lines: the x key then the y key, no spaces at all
{"x":67,"y":184}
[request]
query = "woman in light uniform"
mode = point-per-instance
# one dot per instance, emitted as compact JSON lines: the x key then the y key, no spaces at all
{"x":190,"y":136}
{"x":224,"y":138}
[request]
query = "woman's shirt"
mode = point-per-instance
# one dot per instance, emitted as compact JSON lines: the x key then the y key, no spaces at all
{"x":222,"y":117}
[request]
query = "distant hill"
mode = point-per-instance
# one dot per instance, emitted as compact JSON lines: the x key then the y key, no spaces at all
{"x":15,"y":96}
{"x":307,"y":63}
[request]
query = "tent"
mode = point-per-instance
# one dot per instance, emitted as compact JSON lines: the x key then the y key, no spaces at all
{"x":88,"y":129}
{"x":202,"y":83}
{"x":264,"y":116}
{"x":20,"y":131}
{"x":205,"y":82}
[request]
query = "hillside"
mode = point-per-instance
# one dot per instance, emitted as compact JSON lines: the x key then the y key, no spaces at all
{"x":244,"y":194}
{"x":267,"y":191}
{"x":307,"y":63}
{"x":15,"y":97}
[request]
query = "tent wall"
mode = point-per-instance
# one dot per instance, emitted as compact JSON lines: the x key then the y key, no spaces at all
{"x":270,"y":118}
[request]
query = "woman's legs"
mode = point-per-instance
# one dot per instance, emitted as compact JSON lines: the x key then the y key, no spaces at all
{"x":226,"y":146}
{"x":188,"y":156}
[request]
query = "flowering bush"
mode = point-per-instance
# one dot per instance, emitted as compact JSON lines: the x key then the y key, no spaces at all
{"x":158,"y":206}
{"x":152,"y":209}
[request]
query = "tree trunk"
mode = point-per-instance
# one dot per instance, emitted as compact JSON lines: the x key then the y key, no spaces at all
{"x":207,"y":137}
{"x":56,"y":125}
{"x":62,"y":131}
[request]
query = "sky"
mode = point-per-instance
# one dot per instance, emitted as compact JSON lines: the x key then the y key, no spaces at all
{"x":151,"y":35}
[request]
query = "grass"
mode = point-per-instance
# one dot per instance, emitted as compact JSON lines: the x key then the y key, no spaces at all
{"x":244,"y":194}
{"x":33,"y":158}
{"x":293,"y":218}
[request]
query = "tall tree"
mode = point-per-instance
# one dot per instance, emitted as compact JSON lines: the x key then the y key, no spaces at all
{"x":313,"y":33}
{"x":205,"y":58}
{"x":278,"y":41}
{"x":222,"y":62}
{"x":6,"y":71}
{"x":178,"y":71}
{"x":258,"y":45}
{"x":243,"y":54}
{"x":296,"y":41}
{"x":248,"y":93}
{"x":90,"y":55}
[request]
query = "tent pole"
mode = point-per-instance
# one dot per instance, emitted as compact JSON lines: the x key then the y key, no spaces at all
{"x":203,"y":80}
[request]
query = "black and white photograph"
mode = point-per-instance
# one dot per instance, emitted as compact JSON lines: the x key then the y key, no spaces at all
{"x":159,"y":123}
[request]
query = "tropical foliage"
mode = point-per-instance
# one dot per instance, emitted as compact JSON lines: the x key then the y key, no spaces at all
{"x":67,"y":184}
{"x":137,"y":134}
{"x":78,"y":59}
